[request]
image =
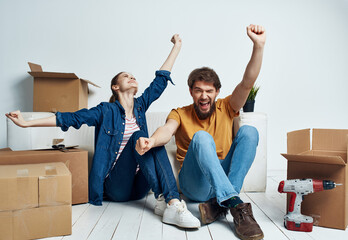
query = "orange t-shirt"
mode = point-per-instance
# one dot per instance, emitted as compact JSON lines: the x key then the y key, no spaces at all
{"x":218,"y":125}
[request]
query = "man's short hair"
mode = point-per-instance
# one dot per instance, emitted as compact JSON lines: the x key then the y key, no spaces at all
{"x":204,"y":74}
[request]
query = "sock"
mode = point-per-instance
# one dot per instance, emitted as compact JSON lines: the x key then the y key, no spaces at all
{"x":232,"y":202}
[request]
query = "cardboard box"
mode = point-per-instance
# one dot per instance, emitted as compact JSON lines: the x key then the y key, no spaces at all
{"x":54,"y":91}
{"x":36,"y":223}
{"x":325,"y":160}
{"x":75,"y":159}
{"x":34,"y":185}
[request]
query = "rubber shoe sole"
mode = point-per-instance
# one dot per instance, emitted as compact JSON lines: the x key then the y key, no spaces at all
{"x":190,"y":226}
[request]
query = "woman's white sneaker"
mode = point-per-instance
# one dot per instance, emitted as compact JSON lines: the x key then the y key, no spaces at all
{"x":160,"y":206}
{"x":178,"y":214}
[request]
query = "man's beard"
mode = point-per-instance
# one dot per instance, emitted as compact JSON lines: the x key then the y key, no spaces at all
{"x":201,"y":115}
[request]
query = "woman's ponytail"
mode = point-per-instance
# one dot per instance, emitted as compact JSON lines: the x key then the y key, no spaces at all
{"x":112,"y":99}
{"x":114,"y":96}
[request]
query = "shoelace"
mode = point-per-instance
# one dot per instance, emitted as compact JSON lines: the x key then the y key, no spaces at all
{"x":160,"y":197}
{"x":181,"y":207}
{"x":243,"y":212}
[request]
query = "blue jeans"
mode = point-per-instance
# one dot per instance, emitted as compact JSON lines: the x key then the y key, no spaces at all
{"x":203,"y":176}
{"x":123,"y":184}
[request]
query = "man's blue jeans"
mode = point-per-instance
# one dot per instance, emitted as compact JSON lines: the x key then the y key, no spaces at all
{"x":123,"y":184}
{"x":203,"y":176}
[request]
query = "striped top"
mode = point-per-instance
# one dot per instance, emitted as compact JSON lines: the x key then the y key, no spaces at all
{"x":131,"y":127}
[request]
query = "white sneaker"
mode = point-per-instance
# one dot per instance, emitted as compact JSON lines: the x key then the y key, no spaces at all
{"x":160,"y":206}
{"x":178,"y":214}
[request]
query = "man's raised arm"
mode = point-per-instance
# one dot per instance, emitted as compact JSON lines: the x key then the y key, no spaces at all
{"x":240,"y":94}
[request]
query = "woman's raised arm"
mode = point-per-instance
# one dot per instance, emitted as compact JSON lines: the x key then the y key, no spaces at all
{"x":168,"y":64}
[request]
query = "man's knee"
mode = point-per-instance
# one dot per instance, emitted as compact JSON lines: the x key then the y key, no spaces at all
{"x":250,"y":133}
{"x":202,"y":138}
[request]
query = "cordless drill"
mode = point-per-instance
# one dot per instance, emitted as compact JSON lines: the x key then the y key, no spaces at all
{"x":298,"y":188}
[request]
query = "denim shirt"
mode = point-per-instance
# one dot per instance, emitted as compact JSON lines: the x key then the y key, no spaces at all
{"x":109,"y":122}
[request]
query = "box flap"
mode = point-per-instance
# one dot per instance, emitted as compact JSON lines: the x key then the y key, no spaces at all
{"x":53,"y":75}
{"x":330,"y":139}
{"x":335,"y":160}
{"x":59,"y":75}
{"x":87,"y":81}
{"x":35,"y":67}
{"x":298,"y":141}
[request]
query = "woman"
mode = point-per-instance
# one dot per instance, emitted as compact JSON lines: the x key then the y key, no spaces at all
{"x":118,"y":170}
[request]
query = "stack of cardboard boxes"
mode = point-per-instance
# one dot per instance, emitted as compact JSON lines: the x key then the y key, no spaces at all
{"x":35,"y":201}
{"x":36,"y":198}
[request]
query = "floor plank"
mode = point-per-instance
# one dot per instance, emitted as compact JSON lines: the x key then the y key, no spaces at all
{"x":203,"y":232}
{"x":151,"y":225}
{"x":128,"y":227}
{"x":86,"y":222}
{"x":77,"y":211}
{"x":269,"y":228}
{"x":276,"y":215}
{"x":173,"y":233}
{"x":108,"y":222}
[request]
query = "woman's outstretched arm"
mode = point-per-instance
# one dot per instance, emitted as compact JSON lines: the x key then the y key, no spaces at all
{"x":18,"y":119}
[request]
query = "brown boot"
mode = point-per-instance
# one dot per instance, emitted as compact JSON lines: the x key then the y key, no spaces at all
{"x":245,"y":223}
{"x":210,"y":211}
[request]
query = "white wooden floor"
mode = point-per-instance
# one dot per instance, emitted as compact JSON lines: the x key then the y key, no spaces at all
{"x":136,"y":220}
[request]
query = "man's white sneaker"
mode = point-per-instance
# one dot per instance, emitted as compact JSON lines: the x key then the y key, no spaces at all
{"x":178,"y":214}
{"x":160,"y":206}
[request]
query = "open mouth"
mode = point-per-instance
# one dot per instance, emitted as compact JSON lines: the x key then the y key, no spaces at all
{"x":204,"y":105}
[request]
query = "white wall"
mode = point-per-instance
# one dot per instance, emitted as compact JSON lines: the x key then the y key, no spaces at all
{"x":303,"y":78}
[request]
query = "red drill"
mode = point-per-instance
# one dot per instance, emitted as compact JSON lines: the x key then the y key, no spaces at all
{"x":298,"y":188}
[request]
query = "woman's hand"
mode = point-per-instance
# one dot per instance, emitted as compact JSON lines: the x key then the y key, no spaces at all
{"x":176,"y":40}
{"x":143,"y":145}
{"x":17,"y":118}
{"x":168,"y":64}
{"x":257,"y":34}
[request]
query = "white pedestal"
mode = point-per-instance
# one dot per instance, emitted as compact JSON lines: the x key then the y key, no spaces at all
{"x":256,"y":179}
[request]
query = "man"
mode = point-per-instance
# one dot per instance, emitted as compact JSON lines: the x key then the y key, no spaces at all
{"x":213,"y":167}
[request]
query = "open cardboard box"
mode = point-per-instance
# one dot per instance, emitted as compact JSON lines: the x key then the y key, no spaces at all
{"x":55,"y":91}
{"x":325,"y":160}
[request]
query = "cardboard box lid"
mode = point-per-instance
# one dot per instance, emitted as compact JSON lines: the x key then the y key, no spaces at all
{"x":36,"y":71}
{"x":33,"y":170}
{"x":6,"y":156}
